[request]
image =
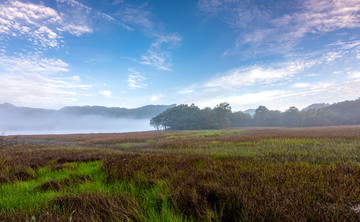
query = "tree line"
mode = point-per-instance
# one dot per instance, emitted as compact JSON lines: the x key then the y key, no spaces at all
{"x":191,"y":117}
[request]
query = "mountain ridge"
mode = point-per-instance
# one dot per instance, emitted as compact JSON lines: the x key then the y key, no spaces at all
{"x":143,"y":112}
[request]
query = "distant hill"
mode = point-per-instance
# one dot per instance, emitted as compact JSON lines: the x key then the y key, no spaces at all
{"x":316,"y":106}
{"x":144,"y":112}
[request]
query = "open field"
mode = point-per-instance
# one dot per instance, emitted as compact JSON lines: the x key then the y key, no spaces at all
{"x":247,"y":174}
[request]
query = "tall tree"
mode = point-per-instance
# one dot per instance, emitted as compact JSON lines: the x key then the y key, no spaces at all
{"x":223,"y":111}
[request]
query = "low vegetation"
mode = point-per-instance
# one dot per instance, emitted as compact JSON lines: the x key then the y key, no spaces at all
{"x":274,"y":174}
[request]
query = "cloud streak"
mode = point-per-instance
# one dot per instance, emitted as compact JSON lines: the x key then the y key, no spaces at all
{"x":240,"y":77}
{"x":263,"y":26}
{"x":158,"y":54}
{"x":136,"y":79}
{"x":319,"y":16}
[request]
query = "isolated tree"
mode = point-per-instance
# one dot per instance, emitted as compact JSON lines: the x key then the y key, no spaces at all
{"x":178,"y":118}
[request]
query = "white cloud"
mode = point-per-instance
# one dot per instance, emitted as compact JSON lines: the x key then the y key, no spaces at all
{"x":239,"y":77}
{"x":76,"y":30}
{"x":33,"y":80}
{"x":187,"y":90}
{"x":32,"y":64}
{"x":136,"y":79}
{"x":37,"y":89}
{"x":155,"y":98}
{"x":355,"y":75}
{"x":331,"y":56}
{"x":106,"y":93}
{"x":39,"y":24}
{"x":301,"y":85}
{"x":248,"y":100}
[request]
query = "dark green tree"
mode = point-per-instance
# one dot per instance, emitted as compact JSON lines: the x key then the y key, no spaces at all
{"x":223,"y":111}
{"x":292,"y":117}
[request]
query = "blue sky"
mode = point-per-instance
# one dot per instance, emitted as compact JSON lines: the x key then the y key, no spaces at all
{"x":132,"y":53}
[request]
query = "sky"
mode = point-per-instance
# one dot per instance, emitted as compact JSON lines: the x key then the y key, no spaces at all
{"x":131,"y":53}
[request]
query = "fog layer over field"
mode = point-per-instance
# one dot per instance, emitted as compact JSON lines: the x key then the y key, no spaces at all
{"x":76,"y":119}
{"x":56,"y":124}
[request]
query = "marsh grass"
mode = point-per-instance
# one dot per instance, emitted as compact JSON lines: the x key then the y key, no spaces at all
{"x":235,"y":175}
{"x":230,"y":190}
{"x":202,"y":134}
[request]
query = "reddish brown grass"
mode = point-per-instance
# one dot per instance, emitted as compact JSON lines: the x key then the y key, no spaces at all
{"x":229,"y":190}
{"x":49,"y":185}
{"x":19,"y":162}
{"x":343,"y":132}
{"x":198,"y":187}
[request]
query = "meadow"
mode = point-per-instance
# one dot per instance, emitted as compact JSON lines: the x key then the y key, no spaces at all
{"x":242,"y":174}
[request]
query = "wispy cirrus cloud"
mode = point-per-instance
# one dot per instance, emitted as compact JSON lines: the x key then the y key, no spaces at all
{"x":158,"y":54}
{"x":136,"y":79}
{"x":75,"y":4}
{"x":267,"y":29}
{"x":139,"y":16}
{"x":83,"y":13}
{"x":318,"y":16}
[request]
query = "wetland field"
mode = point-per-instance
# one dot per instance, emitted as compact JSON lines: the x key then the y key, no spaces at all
{"x":240,"y":174}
